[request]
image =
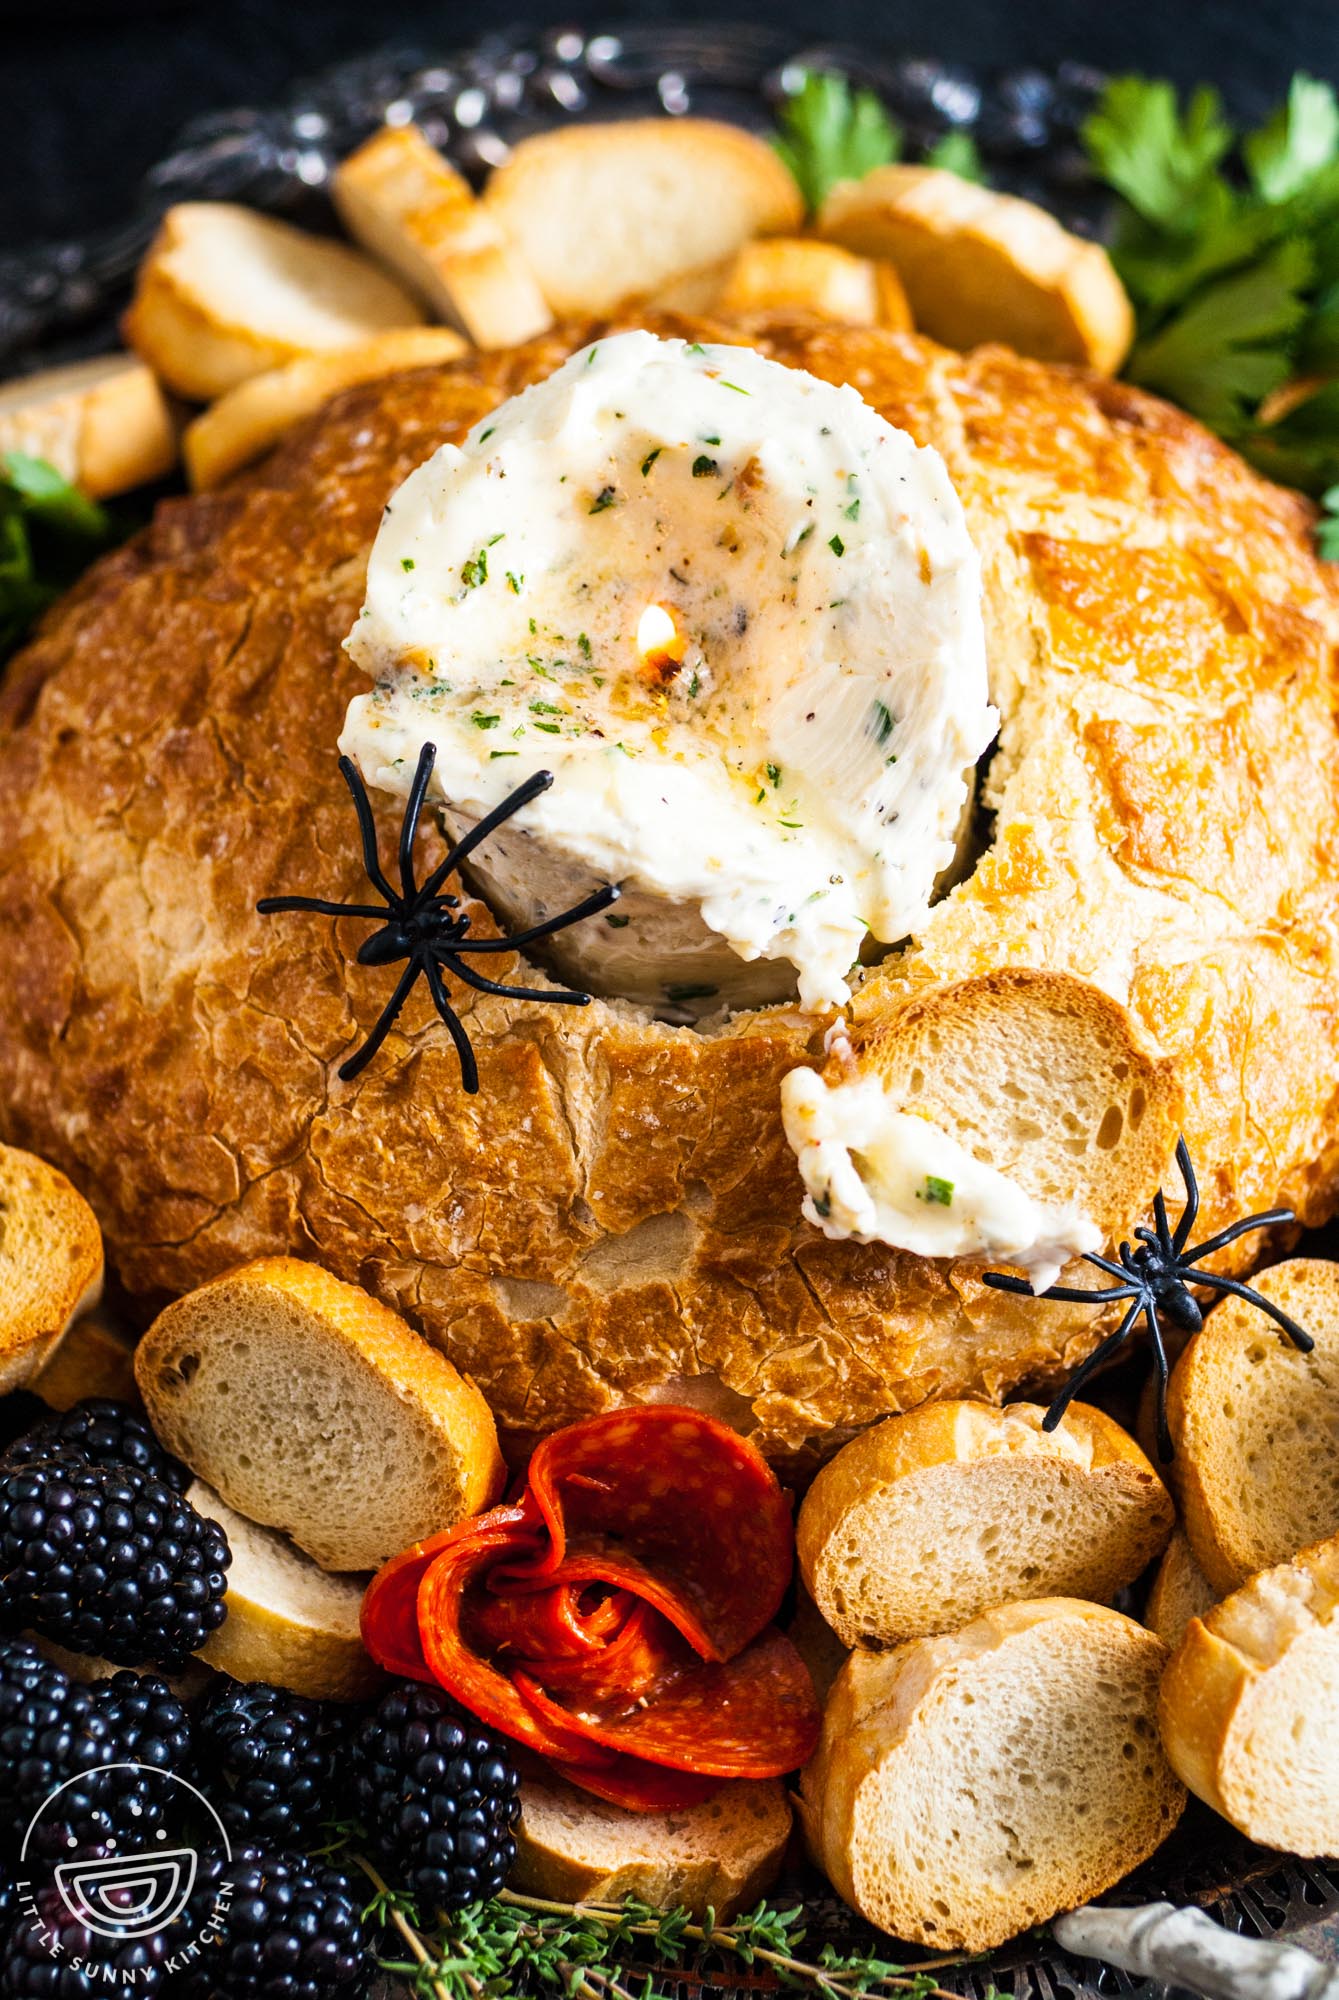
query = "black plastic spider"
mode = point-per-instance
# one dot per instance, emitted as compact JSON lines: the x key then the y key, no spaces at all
{"x":1158,"y":1276}
{"x":428,"y":928}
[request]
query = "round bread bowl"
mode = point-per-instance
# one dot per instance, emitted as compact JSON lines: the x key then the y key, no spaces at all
{"x":616,"y":1216}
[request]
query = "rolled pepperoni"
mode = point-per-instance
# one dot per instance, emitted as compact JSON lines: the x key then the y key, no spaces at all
{"x":614,"y":1618}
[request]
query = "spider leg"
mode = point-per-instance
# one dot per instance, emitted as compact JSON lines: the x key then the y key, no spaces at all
{"x":482,"y":984}
{"x":418,"y":791}
{"x":1003,"y":1281}
{"x":270,"y":906}
{"x":385,"y":1022}
{"x":1106,"y":1264}
{"x":593,"y":904}
{"x":469,"y":1068}
{"x":1166,"y":1453}
{"x":1299,"y":1337}
{"x":1192,"y":1187}
{"x":1055,"y":1415}
{"x":1164,"y":1234}
{"x":539,"y":781}
{"x":367,"y":827}
{"x":1236,"y":1229}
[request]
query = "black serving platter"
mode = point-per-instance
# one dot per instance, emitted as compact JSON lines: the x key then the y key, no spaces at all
{"x":61,"y":300}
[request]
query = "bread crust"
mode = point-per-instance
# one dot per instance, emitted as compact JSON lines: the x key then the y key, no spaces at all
{"x":1249,"y":1704}
{"x":616,"y":1215}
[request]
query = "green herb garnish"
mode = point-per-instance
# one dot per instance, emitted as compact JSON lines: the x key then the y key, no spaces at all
{"x":957,"y":153}
{"x":606,"y":497}
{"x":830,"y":133}
{"x":704,"y":467}
{"x":937,"y":1191}
{"x":881,"y":722}
{"x":49,"y":533}
{"x":837,"y":545}
{"x":650,"y":459}
{"x":485,"y":721}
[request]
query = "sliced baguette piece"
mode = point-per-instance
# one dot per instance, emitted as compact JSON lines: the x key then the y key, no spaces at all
{"x":104,"y":424}
{"x":1179,"y":1592}
{"x":311,"y":1407}
{"x":979,"y":266}
{"x":604,"y":213}
{"x":1250,"y":1705}
{"x":95,"y":1358}
{"x":922,"y":1523}
{"x":225,"y":293}
{"x":1255,"y":1424}
{"x":967,"y":1787}
{"x":251,"y":419}
{"x":411,"y":210}
{"x":990,"y":1059}
{"x":289,"y":1622}
{"x":721,"y":1855}
{"x":795,"y":273}
{"x":50,"y":1263}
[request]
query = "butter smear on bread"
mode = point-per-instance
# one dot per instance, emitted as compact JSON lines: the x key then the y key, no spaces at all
{"x":882,"y":1175}
{"x":737,"y":614}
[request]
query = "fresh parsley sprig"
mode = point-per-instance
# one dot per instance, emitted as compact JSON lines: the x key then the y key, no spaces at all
{"x":1228,"y":244}
{"x":830,"y":132}
{"x":49,"y":532}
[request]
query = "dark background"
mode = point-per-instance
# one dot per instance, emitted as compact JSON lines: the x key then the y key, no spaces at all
{"x":91,"y":94}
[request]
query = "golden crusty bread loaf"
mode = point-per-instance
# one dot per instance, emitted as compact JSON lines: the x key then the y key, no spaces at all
{"x":1179,"y":1592}
{"x":1255,"y":1423}
{"x":969,"y":1786}
{"x":50,"y":1263}
{"x":313,"y":1408}
{"x":925,"y":1521}
{"x":617,"y":1214}
{"x":721,"y":1855}
{"x":1250,"y":1705}
{"x":289,"y":1622}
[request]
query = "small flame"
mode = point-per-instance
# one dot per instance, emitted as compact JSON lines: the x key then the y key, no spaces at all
{"x":658,"y":636}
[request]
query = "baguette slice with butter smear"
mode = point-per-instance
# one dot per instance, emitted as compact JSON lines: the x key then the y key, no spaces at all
{"x":721,"y":1855}
{"x":311,"y":1407}
{"x":967,"y":1787}
{"x":922,"y":1523}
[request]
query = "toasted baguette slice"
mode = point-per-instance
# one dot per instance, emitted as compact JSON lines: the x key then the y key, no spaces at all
{"x":289,"y":1622}
{"x":1179,"y":1592}
{"x":980,"y":266}
{"x":722,"y":1855}
{"x":795,"y":273}
{"x":1250,"y":1705}
{"x":989,"y":1059}
{"x":104,"y":424}
{"x":251,"y":419}
{"x":929,"y":1519}
{"x":603,"y":213}
{"x":1255,"y":1425}
{"x":225,"y":293}
{"x":50,"y":1263}
{"x":401,"y":200}
{"x":95,"y":1358}
{"x":967,"y":1787}
{"x":311,"y":1407}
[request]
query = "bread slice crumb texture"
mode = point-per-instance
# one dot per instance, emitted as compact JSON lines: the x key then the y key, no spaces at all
{"x":50,"y":1262}
{"x":314,"y":1409}
{"x":720,"y":1855}
{"x":968,"y":1787}
{"x":1256,"y":1427}
{"x":929,"y":1519}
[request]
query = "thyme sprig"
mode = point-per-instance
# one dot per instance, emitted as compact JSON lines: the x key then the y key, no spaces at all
{"x":597,"y":1951}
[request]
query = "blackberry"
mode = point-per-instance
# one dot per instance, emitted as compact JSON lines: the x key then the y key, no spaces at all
{"x":150,"y":1724}
{"x":274,"y":1753}
{"x":52,"y":1732}
{"x":49,"y":1955}
{"x":107,"y":1559}
{"x":101,"y":1432}
{"x":291,"y":1929}
{"x":438,"y":1795}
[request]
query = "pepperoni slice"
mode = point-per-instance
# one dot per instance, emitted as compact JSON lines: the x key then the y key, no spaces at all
{"x":614,"y":1617}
